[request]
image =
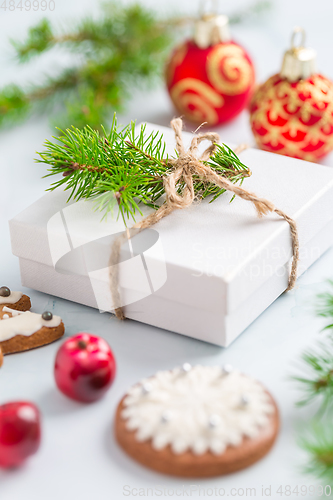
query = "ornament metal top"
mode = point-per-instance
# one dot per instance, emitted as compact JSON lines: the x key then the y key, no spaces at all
{"x":292,"y":112}
{"x":299,"y":62}
{"x":210,"y":78}
{"x":210,"y":30}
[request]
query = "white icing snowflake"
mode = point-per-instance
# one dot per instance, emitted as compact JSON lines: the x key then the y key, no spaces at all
{"x":199,"y":409}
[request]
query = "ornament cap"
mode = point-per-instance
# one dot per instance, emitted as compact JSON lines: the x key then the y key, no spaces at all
{"x":299,"y":62}
{"x":211,"y":29}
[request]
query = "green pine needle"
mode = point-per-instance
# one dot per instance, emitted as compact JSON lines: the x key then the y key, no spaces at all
{"x":125,"y":47}
{"x":125,"y":166}
{"x":317,"y":386}
{"x":325,"y":305}
{"x":317,"y":442}
{"x":40,"y":38}
{"x":317,"y":381}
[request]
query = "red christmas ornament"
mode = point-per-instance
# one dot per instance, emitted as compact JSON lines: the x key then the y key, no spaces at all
{"x":292,"y":113}
{"x":84,"y":368}
{"x":20,"y":433}
{"x":210,"y":78}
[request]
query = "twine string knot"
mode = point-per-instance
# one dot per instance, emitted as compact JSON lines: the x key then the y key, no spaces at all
{"x":179,"y":191}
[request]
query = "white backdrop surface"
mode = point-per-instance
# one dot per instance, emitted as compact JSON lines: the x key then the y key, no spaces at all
{"x":79,"y":458}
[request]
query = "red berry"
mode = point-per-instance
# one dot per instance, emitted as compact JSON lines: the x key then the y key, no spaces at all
{"x":85,"y":367}
{"x":19,"y":432}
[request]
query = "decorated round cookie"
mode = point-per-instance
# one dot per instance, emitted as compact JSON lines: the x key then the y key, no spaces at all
{"x":197,"y":421}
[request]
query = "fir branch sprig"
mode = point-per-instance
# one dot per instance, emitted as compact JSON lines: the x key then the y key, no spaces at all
{"x":317,"y":442}
{"x":317,"y":381}
{"x":39,"y":39}
{"x":325,"y":305}
{"x":125,"y":166}
{"x":317,"y":386}
{"x":125,"y":47}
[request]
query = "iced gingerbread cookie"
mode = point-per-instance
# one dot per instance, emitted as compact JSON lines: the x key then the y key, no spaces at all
{"x":14,"y":300}
{"x":197,"y":422}
{"x":21,"y":331}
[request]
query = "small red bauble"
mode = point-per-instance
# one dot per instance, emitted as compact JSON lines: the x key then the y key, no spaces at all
{"x":20,"y":433}
{"x":210,"y":81}
{"x":85,"y":367}
{"x":292,"y":113}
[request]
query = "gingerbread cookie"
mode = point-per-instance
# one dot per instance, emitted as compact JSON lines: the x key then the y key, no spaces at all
{"x":22,"y":331}
{"x":6,"y":312}
{"x":197,"y":422}
{"x":14,"y":300}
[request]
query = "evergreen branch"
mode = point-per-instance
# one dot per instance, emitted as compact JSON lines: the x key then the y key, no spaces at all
{"x":325,"y":304}
{"x":67,"y":80}
{"x":40,"y":38}
{"x":317,"y":381}
{"x":117,"y":28}
{"x":125,"y":165}
{"x":317,"y":441}
{"x":125,"y":46}
{"x":317,"y":384}
{"x":14,"y":104}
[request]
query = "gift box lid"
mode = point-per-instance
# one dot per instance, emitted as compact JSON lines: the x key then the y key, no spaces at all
{"x":223,"y":243}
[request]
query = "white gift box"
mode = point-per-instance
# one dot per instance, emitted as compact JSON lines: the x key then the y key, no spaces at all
{"x":207,"y":271}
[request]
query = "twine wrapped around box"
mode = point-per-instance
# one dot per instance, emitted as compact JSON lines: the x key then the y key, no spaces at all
{"x":185,"y":166}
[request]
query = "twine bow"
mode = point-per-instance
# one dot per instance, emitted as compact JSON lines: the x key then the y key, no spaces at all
{"x":187,"y":165}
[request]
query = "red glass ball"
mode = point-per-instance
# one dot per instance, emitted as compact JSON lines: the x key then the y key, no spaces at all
{"x":294,"y":119}
{"x":210,"y":85}
{"x":85,"y":367}
{"x":20,"y":433}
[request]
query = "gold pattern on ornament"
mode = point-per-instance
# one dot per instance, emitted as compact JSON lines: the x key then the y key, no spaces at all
{"x":293,"y":129}
{"x":327,"y":128}
{"x":320,"y":94}
{"x":292,"y":107}
{"x":202,"y":112}
{"x":275,"y":137}
{"x":228,"y":69}
{"x":305,"y":114}
{"x":191,"y":92}
{"x":273,"y":113}
{"x":176,"y":60}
